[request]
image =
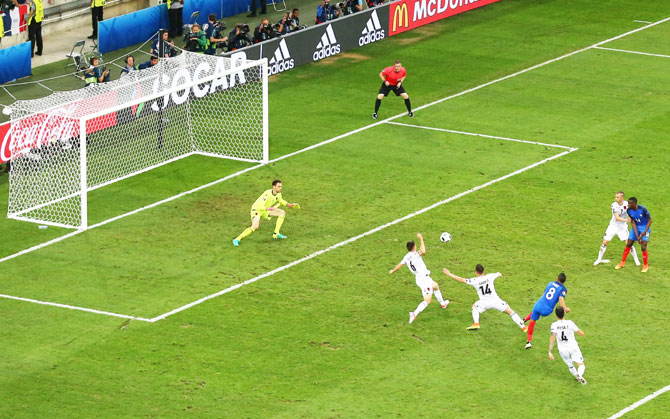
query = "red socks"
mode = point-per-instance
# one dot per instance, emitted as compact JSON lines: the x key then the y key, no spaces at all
{"x":531,"y":326}
{"x":626,"y":251}
{"x":645,"y":257}
{"x":527,"y":318}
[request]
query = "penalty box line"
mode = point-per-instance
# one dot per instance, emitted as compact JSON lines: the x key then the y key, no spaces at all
{"x":313,"y":146}
{"x":482,"y":135}
{"x":360,"y":236}
{"x":633,"y":52}
{"x":640,"y":402}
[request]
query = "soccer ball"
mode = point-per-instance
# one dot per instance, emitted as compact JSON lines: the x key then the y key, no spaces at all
{"x":445,"y":237}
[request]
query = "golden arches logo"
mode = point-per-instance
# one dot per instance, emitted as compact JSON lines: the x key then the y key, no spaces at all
{"x":400,"y":17}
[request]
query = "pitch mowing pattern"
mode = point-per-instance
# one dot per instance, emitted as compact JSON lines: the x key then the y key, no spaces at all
{"x":329,"y":337}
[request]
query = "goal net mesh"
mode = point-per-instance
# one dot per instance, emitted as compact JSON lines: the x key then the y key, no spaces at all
{"x":189,"y":104}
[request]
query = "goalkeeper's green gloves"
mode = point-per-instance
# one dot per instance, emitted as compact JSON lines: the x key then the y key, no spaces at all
{"x":295,"y":206}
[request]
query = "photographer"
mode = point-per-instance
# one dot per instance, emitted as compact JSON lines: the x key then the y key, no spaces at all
{"x":373,"y":3}
{"x":353,"y":6}
{"x":326,"y":12}
{"x":213,"y":30}
{"x":195,"y":40}
{"x":94,"y":74}
{"x":264,"y":31}
{"x":168,"y":47}
{"x":148,"y":64}
{"x":239,"y":37}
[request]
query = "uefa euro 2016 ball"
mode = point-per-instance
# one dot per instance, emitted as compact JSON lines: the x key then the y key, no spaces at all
{"x":445,"y":237}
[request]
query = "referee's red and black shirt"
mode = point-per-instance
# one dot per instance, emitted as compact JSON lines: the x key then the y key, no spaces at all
{"x":392,"y":77}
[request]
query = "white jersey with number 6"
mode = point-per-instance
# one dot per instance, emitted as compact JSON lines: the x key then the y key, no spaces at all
{"x":415,"y":264}
{"x":484,"y":285}
{"x":565,"y":335}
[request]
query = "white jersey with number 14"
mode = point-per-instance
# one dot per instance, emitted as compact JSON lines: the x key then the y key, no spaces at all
{"x":484,"y":285}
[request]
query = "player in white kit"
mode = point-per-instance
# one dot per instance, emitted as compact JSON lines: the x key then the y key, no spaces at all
{"x":415,"y":264}
{"x":564,"y":331}
{"x":488,"y":298}
{"x":618,"y":227}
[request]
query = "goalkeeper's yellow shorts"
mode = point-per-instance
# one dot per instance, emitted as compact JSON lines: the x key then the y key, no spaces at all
{"x":260,"y":213}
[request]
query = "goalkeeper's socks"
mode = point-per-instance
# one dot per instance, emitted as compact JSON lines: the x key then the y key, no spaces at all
{"x":280,"y":221}
{"x":409,"y":105}
{"x":245,"y":233}
{"x":378,"y":103}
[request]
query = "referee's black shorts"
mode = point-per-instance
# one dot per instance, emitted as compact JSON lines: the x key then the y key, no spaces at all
{"x":385,"y":90}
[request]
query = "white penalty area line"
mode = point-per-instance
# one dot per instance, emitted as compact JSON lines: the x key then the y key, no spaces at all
{"x":360,"y":236}
{"x":339,"y":137}
{"x":88,"y":310}
{"x":482,"y":135}
{"x":634,"y":52}
{"x":640,"y":402}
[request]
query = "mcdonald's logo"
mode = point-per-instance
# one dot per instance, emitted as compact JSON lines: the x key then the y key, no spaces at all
{"x":400,"y":17}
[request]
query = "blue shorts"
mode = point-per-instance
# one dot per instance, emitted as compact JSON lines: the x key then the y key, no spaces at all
{"x":540,"y":310}
{"x":645,"y":238}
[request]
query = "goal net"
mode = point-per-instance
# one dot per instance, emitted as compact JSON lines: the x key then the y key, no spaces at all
{"x":70,"y":143}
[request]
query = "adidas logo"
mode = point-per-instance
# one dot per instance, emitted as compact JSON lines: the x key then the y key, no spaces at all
{"x":372,"y":32}
{"x":281,"y":60}
{"x":327,"y":46}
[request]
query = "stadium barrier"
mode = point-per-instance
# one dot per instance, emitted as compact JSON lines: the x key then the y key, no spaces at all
{"x":353,"y":31}
{"x":15,"y":62}
{"x":136,"y":27}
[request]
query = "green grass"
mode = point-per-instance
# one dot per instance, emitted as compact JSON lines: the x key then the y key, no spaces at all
{"x":328,"y":337}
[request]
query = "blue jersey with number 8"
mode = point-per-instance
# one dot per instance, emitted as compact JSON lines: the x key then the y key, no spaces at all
{"x":552,"y":292}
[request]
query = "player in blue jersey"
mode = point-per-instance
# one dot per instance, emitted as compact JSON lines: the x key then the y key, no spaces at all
{"x":554,"y":293}
{"x":640,"y":220}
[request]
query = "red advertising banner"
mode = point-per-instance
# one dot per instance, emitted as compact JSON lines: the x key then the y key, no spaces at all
{"x":409,"y":14}
{"x":61,"y":125}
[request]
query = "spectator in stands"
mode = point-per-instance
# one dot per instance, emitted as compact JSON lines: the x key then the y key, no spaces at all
{"x":326,"y":12}
{"x":196,"y":41}
{"x":34,"y":19}
{"x":96,"y":16}
{"x":168,"y":47}
{"x":239,"y":37}
{"x":94,"y":74}
{"x":148,"y":64}
{"x":175,"y":13}
{"x":213,"y":31}
{"x":264,"y":6}
{"x":130,"y":66}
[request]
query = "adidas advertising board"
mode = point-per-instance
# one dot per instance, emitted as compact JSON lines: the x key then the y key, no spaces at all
{"x":373,"y":30}
{"x":327,"y":46}
{"x":281,"y":59}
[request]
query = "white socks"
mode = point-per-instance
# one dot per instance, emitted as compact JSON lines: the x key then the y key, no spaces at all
{"x":420,"y":308}
{"x":438,"y":295}
{"x":601,"y":253}
{"x":580,"y":370}
{"x":475,"y":315}
{"x":634,"y":253}
{"x":573,"y":371}
{"x":515,"y":317}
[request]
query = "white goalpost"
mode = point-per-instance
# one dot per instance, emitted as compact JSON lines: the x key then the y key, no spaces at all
{"x":70,"y":143}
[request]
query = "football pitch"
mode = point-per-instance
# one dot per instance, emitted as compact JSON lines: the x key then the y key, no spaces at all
{"x":528,"y":119}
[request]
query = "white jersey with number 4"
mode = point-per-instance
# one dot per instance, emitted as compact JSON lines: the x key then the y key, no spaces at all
{"x":565,"y":335}
{"x":415,"y":264}
{"x":484,"y":285}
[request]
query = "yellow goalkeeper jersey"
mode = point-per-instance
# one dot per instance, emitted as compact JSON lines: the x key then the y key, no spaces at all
{"x":267,"y":200}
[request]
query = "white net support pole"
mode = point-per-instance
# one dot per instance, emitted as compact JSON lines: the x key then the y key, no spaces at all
{"x":266,"y":135}
{"x":83,"y":180}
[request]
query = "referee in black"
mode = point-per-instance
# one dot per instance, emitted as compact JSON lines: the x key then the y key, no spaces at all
{"x":392,"y":79}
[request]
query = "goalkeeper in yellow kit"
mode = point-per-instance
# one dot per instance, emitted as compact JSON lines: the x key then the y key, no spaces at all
{"x":266,"y":206}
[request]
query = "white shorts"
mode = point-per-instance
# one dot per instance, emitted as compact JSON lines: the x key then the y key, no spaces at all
{"x":426,"y":285}
{"x":572,"y":355}
{"x":616,"y":230}
{"x":491,"y":303}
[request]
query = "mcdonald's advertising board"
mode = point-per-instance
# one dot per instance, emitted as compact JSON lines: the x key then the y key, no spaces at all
{"x":405,"y":15}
